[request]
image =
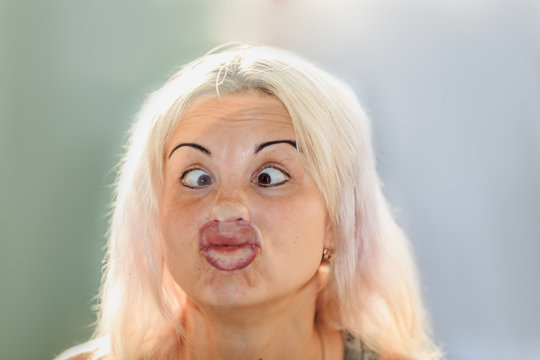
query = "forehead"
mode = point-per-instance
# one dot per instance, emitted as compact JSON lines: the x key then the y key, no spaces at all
{"x":244,"y":110}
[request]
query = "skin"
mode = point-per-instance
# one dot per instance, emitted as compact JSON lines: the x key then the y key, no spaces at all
{"x":267,"y":309}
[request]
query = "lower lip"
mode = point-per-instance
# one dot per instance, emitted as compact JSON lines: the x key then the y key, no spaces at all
{"x":230,"y":257}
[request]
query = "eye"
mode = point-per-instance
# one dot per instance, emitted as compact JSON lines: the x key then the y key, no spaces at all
{"x":196,"y":178}
{"x":271,"y":176}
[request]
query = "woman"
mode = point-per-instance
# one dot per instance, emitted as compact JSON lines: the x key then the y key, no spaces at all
{"x":249,"y":223}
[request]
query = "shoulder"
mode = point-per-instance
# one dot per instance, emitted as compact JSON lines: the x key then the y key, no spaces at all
{"x":91,"y":350}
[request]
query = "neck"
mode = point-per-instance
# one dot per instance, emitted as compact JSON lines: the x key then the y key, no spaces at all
{"x":282,"y":329}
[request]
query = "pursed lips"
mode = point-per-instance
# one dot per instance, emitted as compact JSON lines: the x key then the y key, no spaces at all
{"x":228,"y":245}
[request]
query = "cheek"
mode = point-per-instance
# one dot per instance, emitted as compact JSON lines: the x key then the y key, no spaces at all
{"x":295,"y":226}
{"x":180,"y":221}
{"x":180,"y":212}
{"x":180,"y":244}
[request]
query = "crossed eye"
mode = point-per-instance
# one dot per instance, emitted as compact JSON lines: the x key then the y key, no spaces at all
{"x":271,"y":176}
{"x":267,"y":177}
{"x":196,"y":178}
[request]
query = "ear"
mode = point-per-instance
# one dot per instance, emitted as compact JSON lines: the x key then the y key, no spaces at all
{"x":329,"y":233}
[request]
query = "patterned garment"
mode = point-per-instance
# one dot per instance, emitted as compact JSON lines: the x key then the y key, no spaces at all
{"x":353,"y":352}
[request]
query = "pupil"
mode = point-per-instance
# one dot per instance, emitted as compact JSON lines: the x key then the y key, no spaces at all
{"x":204,"y":180}
{"x":264,"y":178}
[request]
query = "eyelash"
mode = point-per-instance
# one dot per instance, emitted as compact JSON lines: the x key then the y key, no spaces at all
{"x":270,"y":166}
{"x":255,"y":177}
{"x":189,"y":170}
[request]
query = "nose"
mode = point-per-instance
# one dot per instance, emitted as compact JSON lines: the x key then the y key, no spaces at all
{"x":229,"y":211}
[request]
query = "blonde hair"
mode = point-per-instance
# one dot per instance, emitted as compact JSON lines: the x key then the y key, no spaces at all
{"x":372,"y":291}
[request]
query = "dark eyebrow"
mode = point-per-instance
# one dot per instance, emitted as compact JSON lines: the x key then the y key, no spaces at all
{"x":193,"y":145}
{"x":268,"y":143}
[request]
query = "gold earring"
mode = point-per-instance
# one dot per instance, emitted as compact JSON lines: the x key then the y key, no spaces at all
{"x":327,"y":255}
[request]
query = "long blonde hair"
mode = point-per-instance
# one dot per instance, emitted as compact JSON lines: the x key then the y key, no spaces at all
{"x":372,"y":292}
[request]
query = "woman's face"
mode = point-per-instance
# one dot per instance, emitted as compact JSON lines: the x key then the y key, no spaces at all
{"x":243,"y":221}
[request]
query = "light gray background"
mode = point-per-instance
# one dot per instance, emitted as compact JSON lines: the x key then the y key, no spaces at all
{"x":452,"y":87}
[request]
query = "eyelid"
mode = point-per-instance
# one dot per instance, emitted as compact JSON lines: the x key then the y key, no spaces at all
{"x":271,"y":166}
{"x":190,"y":170}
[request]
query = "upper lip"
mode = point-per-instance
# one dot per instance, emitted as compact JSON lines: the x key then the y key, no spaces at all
{"x":227,"y":233}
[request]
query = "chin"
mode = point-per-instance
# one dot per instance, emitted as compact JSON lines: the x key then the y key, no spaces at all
{"x":204,"y":283}
{"x":231,"y":288}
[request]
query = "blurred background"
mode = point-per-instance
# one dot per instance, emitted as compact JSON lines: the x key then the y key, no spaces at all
{"x":452,"y":88}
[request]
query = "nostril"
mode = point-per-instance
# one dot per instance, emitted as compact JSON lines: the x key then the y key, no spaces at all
{"x":229,"y":211}
{"x":230,"y":219}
